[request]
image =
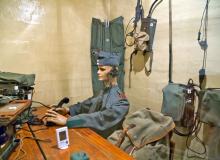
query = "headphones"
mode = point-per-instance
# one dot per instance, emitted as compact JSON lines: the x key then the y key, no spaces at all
{"x":203,"y":43}
{"x":114,"y":72}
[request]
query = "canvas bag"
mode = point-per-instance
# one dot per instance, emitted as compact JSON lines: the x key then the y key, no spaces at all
{"x":178,"y":103}
{"x":17,"y":78}
{"x":141,"y":51}
{"x":141,"y":55}
{"x":145,"y":135}
{"x":8,"y":82}
{"x":209,"y":106}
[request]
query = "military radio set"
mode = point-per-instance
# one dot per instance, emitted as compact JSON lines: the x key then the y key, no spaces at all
{"x":15,"y":86}
{"x":16,"y":91}
{"x":142,"y":38}
{"x":148,"y":24}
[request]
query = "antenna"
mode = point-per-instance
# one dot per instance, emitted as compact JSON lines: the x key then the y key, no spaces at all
{"x":170,"y":43}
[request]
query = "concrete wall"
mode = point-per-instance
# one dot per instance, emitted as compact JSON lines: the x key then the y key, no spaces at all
{"x":51,"y":38}
{"x":187,"y":55}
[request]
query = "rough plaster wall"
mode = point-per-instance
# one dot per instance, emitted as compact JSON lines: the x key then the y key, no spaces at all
{"x":50,"y":38}
{"x":187,"y":55}
{"x":187,"y":58}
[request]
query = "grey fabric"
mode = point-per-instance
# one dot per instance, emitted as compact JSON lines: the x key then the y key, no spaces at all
{"x":103,"y":113}
{"x":146,"y":135}
{"x":174,"y":101}
{"x":210,"y":106}
{"x":20,"y":79}
{"x":109,"y":39}
{"x":214,"y":144}
{"x":107,"y":58}
{"x":15,"y":86}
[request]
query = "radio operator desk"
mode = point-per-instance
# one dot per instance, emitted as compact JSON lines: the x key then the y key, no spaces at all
{"x":81,"y":139}
{"x":30,"y":149}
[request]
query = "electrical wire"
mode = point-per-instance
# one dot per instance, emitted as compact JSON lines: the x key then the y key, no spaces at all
{"x":203,"y":27}
{"x":35,"y":130}
{"x":41,"y":150}
{"x":200,"y":141}
{"x":139,"y":13}
{"x":153,"y":8}
{"x":21,"y":143}
{"x":130,"y":34}
{"x":42,"y":104}
{"x":19,"y":150}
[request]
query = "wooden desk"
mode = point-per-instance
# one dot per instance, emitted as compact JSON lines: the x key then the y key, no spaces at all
{"x":30,"y":147}
{"x":81,"y":139}
{"x":10,"y":112}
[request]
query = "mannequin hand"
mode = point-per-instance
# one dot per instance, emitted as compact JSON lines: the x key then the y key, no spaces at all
{"x":62,"y":111}
{"x":55,"y":117}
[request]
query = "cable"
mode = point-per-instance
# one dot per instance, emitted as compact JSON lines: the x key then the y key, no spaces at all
{"x":130,"y":34}
{"x":131,"y":66}
{"x":205,"y":11}
{"x":150,"y":10}
{"x":153,"y":8}
{"x":23,"y":118}
{"x":200,"y":141}
{"x":139,"y":13}
{"x":41,"y":150}
{"x":35,"y":130}
{"x":19,"y":150}
{"x":203,"y":44}
{"x":17,"y":157}
{"x":191,"y":130}
{"x":41,"y":104}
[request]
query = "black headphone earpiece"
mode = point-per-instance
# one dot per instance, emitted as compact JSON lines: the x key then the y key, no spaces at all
{"x":203,"y":43}
{"x":113,"y":72}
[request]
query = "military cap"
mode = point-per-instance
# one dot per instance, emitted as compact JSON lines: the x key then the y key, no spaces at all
{"x":107,"y":58}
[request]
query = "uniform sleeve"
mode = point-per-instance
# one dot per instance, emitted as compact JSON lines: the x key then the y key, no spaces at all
{"x":82,"y":107}
{"x":101,"y":120}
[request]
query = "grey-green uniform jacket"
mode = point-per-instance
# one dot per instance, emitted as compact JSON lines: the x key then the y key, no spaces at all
{"x":103,"y":113}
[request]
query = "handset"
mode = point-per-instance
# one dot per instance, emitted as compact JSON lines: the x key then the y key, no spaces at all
{"x":202,"y":78}
{"x":64,"y":100}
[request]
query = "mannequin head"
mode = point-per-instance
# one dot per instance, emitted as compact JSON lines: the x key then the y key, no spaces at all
{"x":107,"y":67}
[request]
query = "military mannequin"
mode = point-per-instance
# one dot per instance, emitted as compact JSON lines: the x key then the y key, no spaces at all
{"x":103,"y":113}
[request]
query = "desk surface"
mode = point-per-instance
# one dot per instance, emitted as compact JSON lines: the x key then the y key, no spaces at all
{"x":10,"y":112}
{"x":28,"y":149}
{"x":81,"y":139}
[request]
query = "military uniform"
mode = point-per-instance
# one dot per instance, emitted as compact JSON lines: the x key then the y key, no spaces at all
{"x":103,"y":113}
